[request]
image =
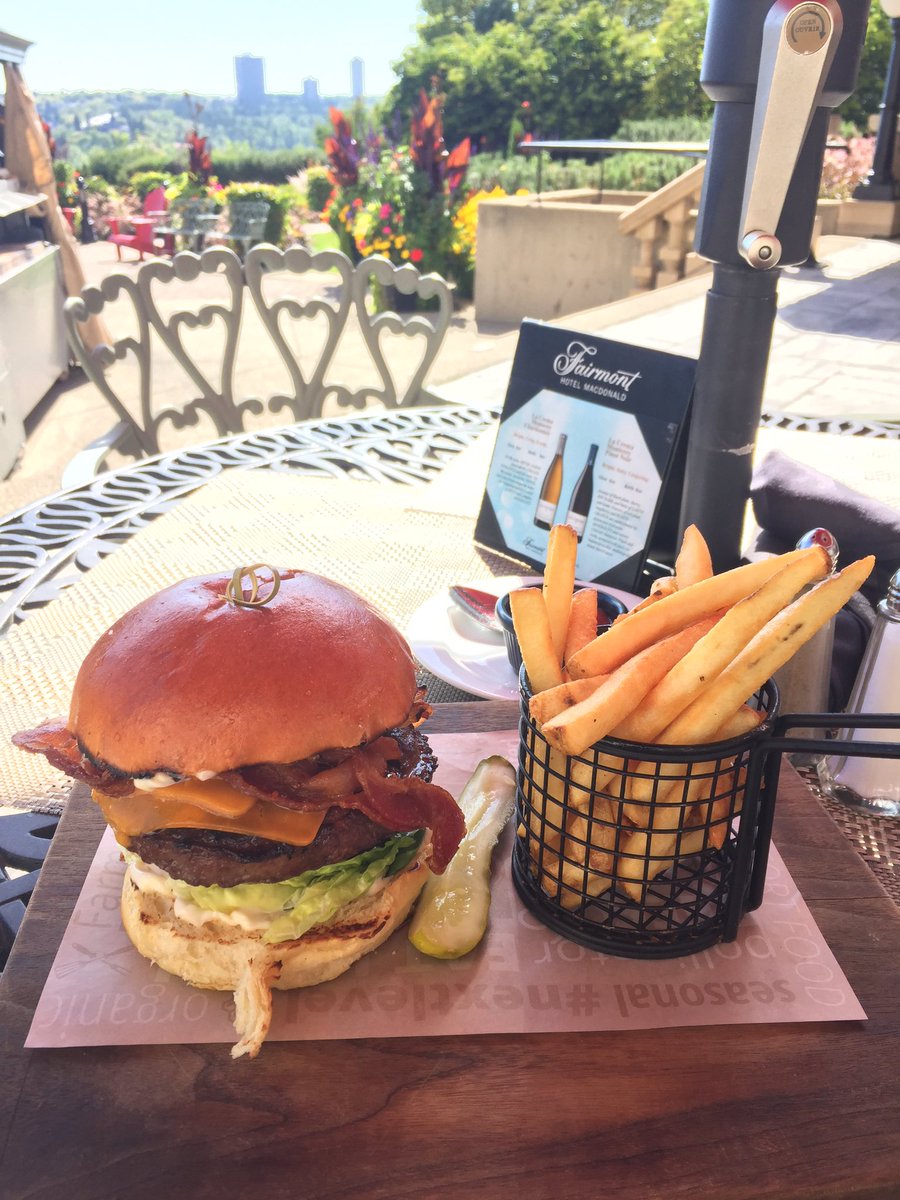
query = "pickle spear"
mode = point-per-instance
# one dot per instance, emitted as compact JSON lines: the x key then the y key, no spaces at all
{"x":452,"y":913}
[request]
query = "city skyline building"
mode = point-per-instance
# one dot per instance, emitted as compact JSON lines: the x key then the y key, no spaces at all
{"x":250,"y":81}
{"x":357,"y":78}
{"x":311,"y":92}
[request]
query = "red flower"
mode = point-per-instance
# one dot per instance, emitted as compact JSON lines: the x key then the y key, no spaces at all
{"x":386,"y":229}
{"x":416,"y":255}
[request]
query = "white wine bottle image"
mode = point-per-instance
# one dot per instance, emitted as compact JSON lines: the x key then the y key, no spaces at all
{"x":582,"y":495}
{"x":550,"y":489}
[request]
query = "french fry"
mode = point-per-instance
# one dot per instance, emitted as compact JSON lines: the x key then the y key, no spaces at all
{"x":712,"y":654}
{"x":591,"y":839}
{"x":717,"y":818}
{"x":545,"y":793}
{"x":555,"y":700}
{"x":550,"y":868}
{"x":559,"y":583}
{"x":664,"y":586}
{"x":576,"y":846}
{"x":585,"y":796}
{"x":532,"y":626}
{"x":582,"y":622}
{"x":647,"y":852}
{"x":607,"y":770}
{"x":672,"y":613}
{"x":712,"y":819}
{"x":693,"y":562}
{"x":776,"y":642}
{"x":583,"y":724}
{"x":644,"y":786}
{"x":694,"y":841}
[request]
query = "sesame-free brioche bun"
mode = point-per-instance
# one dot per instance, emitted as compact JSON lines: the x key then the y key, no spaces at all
{"x":190,"y":682}
{"x":224,"y":957}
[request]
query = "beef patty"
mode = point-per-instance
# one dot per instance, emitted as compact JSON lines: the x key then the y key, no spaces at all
{"x":206,"y":857}
{"x":203,"y":857}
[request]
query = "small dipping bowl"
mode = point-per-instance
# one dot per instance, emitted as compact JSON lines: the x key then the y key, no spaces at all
{"x":608,"y":608}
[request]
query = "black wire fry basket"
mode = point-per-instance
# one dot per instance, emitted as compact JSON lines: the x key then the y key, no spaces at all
{"x":649,"y":851}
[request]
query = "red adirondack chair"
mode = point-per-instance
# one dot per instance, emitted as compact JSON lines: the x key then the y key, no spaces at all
{"x":155,"y":203}
{"x":140,"y":237}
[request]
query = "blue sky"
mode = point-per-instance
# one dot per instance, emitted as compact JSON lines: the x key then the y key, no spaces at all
{"x":189,"y":45}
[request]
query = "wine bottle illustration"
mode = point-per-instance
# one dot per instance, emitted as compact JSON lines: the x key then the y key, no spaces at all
{"x":582,"y":495}
{"x":550,"y":488}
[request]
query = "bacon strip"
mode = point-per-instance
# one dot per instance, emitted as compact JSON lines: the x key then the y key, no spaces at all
{"x":410,"y":803}
{"x":62,"y":751}
{"x":396,"y":802}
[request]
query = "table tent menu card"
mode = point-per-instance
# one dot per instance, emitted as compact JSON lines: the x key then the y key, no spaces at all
{"x":587,"y":436}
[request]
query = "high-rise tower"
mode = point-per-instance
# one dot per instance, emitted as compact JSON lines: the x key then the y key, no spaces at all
{"x":249,"y":77}
{"x":311,"y":92}
{"x":357,"y":68}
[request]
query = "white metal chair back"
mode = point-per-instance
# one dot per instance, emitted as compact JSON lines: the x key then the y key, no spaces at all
{"x":209,"y":389}
{"x":212,"y":385}
{"x":349,"y":295}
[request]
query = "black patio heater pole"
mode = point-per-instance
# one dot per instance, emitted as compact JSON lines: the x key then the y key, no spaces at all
{"x":882,"y":182}
{"x":774,"y":71}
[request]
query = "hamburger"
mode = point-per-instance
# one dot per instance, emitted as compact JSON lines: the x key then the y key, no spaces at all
{"x":254,"y":743}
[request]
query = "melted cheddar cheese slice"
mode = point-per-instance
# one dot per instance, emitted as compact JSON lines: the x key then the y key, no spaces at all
{"x":209,"y":804}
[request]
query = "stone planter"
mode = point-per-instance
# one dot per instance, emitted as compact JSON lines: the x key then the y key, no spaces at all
{"x":546,"y":255}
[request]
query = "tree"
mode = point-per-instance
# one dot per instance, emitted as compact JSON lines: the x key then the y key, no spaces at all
{"x":484,"y":79}
{"x":597,"y":70}
{"x":866,"y":99}
{"x":674,"y":85}
{"x":638,"y":14}
{"x":580,"y":68}
{"x":443,"y":17}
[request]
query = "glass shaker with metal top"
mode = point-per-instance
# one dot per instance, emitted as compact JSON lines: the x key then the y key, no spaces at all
{"x":803,"y":682}
{"x":873,"y":783}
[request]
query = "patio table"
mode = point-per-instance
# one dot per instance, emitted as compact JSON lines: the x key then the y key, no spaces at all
{"x":787,"y":1111}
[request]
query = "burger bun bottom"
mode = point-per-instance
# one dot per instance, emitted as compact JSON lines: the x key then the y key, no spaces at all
{"x":223,"y":957}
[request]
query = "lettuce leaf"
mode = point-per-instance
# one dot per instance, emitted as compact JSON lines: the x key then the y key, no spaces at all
{"x":303,"y":901}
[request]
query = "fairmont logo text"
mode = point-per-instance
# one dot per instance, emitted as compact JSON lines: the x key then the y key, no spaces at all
{"x":574,"y":364}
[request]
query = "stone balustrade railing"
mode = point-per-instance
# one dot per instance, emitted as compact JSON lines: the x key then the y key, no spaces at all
{"x":663,"y":225}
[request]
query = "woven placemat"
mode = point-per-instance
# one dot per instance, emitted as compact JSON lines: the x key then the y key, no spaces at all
{"x":380,"y":539}
{"x":876,"y":839}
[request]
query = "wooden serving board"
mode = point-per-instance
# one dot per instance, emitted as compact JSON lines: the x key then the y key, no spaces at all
{"x":782,"y":1111}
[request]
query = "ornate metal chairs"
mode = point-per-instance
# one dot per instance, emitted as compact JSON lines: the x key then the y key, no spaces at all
{"x":207,"y":340}
{"x":193,"y":219}
{"x":246,"y":224}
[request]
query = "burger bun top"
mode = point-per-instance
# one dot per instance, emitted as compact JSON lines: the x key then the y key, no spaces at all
{"x":190,"y":682}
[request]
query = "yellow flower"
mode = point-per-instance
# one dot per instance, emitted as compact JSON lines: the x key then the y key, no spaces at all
{"x":404,"y":254}
{"x":401,"y":240}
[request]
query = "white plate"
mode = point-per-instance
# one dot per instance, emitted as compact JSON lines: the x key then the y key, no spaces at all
{"x":454,"y":647}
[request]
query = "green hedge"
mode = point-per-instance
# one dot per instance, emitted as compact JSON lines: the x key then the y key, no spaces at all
{"x":628,"y":171}
{"x":239,"y":165}
{"x":118,"y":165}
{"x":142,"y":183}
{"x":318,"y":188}
{"x":234,"y":164}
{"x":281,"y":200}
